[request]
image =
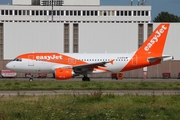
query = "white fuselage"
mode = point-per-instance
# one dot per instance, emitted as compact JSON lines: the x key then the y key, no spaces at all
{"x":44,"y":66}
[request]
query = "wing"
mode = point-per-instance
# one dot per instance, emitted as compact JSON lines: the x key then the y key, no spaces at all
{"x":163,"y":58}
{"x":88,"y":68}
{"x":91,"y":65}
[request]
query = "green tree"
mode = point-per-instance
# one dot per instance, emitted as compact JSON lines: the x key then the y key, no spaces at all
{"x":166,"y":17}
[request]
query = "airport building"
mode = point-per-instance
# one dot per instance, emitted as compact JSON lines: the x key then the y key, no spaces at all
{"x":82,"y":26}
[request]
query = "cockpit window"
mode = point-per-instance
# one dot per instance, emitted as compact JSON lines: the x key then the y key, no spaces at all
{"x":17,"y":59}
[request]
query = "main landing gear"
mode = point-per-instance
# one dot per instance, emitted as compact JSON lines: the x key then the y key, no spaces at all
{"x":31,"y":78}
{"x":85,"y":78}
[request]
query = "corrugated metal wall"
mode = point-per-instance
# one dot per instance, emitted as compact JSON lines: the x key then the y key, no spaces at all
{"x":92,"y":38}
{"x":170,"y":66}
{"x":116,"y":38}
{"x":22,"y":38}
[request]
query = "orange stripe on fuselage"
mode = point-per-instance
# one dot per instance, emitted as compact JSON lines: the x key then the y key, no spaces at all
{"x":53,"y":58}
{"x":58,"y":59}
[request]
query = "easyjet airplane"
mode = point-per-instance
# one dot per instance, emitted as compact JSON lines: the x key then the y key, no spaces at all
{"x":68,"y":65}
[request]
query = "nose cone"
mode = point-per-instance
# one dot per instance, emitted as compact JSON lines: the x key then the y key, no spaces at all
{"x":9,"y":65}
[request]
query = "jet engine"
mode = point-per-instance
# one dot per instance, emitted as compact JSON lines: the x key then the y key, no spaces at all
{"x":63,"y":73}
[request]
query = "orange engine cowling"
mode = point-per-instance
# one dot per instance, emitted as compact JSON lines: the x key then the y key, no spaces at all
{"x":63,"y":73}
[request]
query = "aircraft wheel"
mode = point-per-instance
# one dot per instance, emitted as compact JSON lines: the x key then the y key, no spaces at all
{"x":85,"y":79}
{"x":30,"y":79}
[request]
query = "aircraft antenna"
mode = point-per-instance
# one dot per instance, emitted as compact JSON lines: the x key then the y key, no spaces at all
{"x":143,"y":2}
{"x":55,"y":3}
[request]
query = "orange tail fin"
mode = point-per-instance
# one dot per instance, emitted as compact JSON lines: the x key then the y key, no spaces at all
{"x":155,"y":43}
{"x":152,"y":48}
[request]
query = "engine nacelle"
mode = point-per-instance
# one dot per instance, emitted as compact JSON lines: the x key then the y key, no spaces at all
{"x":63,"y":73}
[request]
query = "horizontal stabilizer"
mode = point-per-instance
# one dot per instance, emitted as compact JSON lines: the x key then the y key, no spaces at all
{"x":162,"y":58}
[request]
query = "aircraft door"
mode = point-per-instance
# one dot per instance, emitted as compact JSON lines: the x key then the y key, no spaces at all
{"x":31,"y":60}
{"x":71,"y":61}
{"x":135,"y":60}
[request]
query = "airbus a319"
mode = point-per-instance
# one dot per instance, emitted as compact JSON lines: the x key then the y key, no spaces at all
{"x":68,"y":65}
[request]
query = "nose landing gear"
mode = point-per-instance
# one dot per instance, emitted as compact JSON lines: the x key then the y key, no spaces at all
{"x":29,"y":75}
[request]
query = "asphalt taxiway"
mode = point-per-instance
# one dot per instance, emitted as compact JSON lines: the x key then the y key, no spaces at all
{"x":77,"y":92}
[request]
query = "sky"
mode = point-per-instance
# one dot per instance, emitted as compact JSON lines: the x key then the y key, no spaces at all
{"x":157,"y":6}
{"x":171,"y":6}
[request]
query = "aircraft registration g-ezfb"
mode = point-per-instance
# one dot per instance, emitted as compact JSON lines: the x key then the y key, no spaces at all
{"x":68,"y":65}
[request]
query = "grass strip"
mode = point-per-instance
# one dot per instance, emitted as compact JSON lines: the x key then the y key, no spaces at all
{"x":92,"y":85}
{"x":94,"y":106}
